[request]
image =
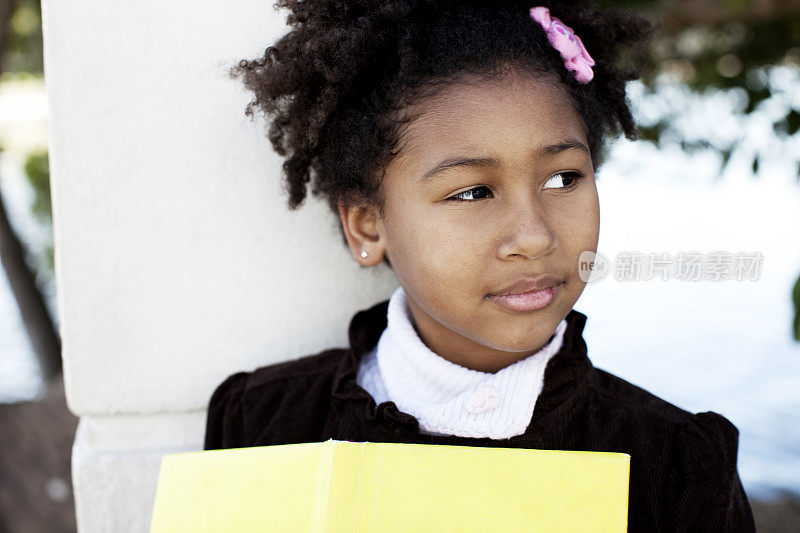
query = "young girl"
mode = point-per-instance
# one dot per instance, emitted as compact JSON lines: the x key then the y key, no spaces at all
{"x":458,"y":142}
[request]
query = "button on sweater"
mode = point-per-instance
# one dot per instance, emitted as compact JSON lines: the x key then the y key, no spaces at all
{"x":683,"y":473}
{"x":446,"y":398}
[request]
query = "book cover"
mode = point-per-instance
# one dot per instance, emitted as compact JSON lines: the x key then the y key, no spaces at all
{"x":337,"y":486}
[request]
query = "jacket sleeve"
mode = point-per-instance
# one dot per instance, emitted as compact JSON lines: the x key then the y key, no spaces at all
{"x":705,"y":492}
{"x":225,"y":420}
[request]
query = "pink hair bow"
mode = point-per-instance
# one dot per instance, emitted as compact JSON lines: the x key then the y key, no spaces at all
{"x":563,"y":39}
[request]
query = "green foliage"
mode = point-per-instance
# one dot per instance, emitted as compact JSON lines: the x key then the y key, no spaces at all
{"x":37,"y":171}
{"x":23,"y":52}
{"x":729,"y":45}
{"x":739,"y":56}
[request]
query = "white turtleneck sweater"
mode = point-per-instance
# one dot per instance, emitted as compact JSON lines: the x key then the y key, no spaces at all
{"x":446,"y":398}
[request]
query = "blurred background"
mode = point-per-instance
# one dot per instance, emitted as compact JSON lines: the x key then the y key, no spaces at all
{"x":718,"y":169}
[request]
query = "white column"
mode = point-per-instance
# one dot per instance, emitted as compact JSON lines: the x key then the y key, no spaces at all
{"x":177,"y":260}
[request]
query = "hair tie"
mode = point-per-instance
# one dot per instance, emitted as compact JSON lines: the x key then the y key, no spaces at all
{"x":569,"y":45}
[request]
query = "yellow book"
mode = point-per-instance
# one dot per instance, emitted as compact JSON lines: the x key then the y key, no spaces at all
{"x":338,"y":486}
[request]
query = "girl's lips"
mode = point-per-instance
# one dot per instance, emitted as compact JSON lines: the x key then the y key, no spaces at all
{"x":527,"y":301}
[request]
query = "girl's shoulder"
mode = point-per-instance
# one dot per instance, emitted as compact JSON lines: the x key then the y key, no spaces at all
{"x":704,"y":487}
{"x":614,"y":392}
{"x":243,"y":408}
{"x":702,"y":430}
{"x":692,"y":455}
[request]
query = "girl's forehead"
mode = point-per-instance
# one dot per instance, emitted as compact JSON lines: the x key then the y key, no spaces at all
{"x":494,"y":114}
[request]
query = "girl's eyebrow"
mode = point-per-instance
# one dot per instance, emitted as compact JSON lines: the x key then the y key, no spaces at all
{"x":483,"y":162}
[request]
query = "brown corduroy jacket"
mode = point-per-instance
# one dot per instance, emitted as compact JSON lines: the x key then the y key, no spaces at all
{"x":683,"y":473}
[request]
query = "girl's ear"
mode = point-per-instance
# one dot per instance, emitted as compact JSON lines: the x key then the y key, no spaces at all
{"x":363,"y":234}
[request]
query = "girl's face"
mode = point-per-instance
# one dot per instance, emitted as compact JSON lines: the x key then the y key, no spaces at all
{"x":507,"y":203}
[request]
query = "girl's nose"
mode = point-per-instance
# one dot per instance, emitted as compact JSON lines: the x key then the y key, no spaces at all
{"x":526,"y":232}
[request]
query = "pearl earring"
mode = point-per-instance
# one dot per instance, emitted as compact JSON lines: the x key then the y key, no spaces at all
{"x":364,"y":253}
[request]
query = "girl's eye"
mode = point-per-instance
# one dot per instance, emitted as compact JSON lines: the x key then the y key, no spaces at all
{"x":475,"y":193}
{"x":571,"y":178}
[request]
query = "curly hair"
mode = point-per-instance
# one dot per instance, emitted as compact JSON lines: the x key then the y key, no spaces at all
{"x":336,"y":85}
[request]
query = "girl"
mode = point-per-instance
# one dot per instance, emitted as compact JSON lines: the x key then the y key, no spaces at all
{"x":458,"y":142}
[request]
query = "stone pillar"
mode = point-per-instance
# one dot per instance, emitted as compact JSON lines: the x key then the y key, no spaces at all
{"x":177,"y":260}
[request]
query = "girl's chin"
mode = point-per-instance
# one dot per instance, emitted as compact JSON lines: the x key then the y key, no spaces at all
{"x":524,"y":338}
{"x":519,"y":349}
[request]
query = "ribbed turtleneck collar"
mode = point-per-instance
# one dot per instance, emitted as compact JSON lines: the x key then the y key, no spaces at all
{"x":447,"y":398}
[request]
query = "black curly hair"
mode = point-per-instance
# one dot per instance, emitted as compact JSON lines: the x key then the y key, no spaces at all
{"x":338,"y":86}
